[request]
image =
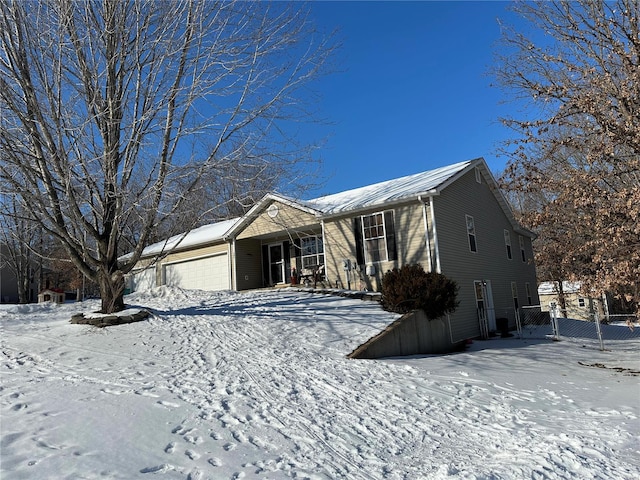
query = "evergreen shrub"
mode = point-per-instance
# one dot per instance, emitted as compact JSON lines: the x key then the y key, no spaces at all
{"x":411,"y":288}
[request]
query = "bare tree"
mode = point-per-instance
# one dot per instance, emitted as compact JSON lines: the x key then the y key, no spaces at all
{"x":20,"y":241}
{"x":109,"y":106}
{"x":577,"y":145}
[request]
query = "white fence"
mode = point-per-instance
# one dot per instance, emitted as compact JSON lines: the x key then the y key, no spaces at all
{"x":606,"y":333}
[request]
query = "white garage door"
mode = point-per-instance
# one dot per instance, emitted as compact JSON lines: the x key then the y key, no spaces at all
{"x":211,"y":273}
{"x":143,"y":280}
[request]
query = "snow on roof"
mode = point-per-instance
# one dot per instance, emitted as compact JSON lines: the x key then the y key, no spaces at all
{"x":197,"y":236}
{"x":550,"y":288}
{"x":381,"y":193}
{"x":385,"y":192}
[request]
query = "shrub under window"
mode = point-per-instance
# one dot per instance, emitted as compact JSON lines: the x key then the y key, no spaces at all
{"x":411,"y":288}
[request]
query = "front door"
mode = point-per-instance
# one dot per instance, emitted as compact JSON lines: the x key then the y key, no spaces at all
{"x":491,"y":309}
{"x":276,"y":263}
{"x":486,"y":309}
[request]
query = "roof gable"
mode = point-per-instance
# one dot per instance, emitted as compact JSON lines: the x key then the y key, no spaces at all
{"x":262,"y":205}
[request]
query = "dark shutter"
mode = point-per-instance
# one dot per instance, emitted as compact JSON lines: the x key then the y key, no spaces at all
{"x":392,"y":253}
{"x":265,"y":265}
{"x":357,"y":231}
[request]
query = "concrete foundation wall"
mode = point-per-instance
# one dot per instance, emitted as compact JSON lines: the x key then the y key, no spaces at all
{"x":411,"y":334}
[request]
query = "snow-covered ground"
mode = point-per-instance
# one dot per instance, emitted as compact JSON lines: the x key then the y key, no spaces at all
{"x":257,"y":385}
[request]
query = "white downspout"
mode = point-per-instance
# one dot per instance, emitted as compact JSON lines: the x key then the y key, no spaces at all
{"x":435,"y":235}
{"x":426,"y":232}
{"x":232,"y":269}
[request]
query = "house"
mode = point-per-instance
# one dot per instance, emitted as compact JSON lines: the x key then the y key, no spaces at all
{"x":9,"y":280}
{"x":578,"y":304}
{"x":452,"y":220}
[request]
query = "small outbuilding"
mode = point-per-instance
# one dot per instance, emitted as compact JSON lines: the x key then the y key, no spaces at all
{"x":51,"y":295}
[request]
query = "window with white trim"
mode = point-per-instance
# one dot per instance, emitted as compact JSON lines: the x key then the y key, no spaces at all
{"x":581,"y":303}
{"x":507,"y":243}
{"x":471,"y":233}
{"x":514,"y":295}
{"x":378,"y":237}
{"x":523,"y":253}
{"x":478,"y":175}
{"x":312,"y":252}
{"x":527,"y":290}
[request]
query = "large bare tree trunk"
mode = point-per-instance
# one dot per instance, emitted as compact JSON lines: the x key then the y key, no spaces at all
{"x":112,"y":291}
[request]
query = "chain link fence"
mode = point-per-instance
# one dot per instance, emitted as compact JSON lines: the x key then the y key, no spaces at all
{"x":605,"y":333}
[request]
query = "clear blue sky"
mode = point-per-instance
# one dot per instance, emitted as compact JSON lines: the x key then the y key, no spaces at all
{"x":414,"y":89}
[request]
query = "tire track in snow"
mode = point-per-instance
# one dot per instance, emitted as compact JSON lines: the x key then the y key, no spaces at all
{"x":238,"y":383}
{"x":338,"y":430}
{"x":279,"y":375}
{"x":241,"y":341}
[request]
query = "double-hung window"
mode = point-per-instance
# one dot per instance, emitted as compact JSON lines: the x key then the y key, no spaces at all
{"x":471,"y":233}
{"x":312,"y":252}
{"x":523,"y":253}
{"x":507,"y":243}
{"x":375,"y":237}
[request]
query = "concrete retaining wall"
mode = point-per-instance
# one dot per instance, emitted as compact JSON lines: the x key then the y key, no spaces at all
{"x":411,"y":334}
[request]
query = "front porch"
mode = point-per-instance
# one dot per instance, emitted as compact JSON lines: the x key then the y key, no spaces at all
{"x":280,"y":260}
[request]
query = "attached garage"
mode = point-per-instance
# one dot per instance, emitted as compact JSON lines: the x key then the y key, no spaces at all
{"x":208,"y":273}
{"x":143,"y":280}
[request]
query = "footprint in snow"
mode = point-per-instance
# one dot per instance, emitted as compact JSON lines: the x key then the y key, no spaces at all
{"x":146,"y":393}
{"x":214,"y":462}
{"x":164,"y":468}
{"x":195,"y":440}
{"x":195,"y":474}
{"x":257,"y":442}
{"x":229,"y":446}
{"x":111,"y":392}
{"x":192,"y":455}
{"x":215,"y":435}
{"x":181,"y":430}
{"x":170,"y":448}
